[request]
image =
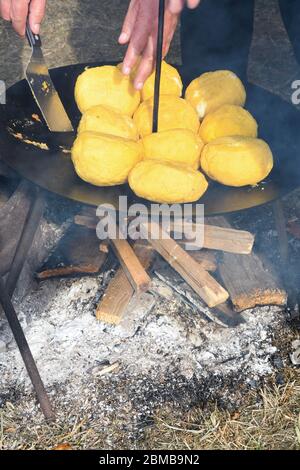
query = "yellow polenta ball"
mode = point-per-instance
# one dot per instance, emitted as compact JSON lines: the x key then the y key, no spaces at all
{"x":106,"y":120}
{"x":176,"y":145}
{"x":214,"y":89}
{"x":170,"y":83}
{"x":174,"y":113}
{"x":167,"y":183}
{"x":107,"y":86}
{"x":227,"y":121}
{"x":237,"y":160}
{"x":104,"y":160}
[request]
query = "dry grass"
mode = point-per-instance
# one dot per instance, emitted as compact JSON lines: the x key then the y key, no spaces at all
{"x":270,"y":421}
{"x":17,"y":435}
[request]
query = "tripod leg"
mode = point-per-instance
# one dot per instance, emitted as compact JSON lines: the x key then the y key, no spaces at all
{"x":25,"y":352}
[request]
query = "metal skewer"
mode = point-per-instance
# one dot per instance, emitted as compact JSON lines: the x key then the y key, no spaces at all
{"x":159,"y":56}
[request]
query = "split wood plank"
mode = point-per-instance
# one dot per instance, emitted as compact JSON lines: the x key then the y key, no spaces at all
{"x":119,"y":292}
{"x":218,"y":238}
{"x":131,"y":265}
{"x":77,"y":253}
{"x":115,"y":299}
{"x":215,"y":238}
{"x":66,"y":271}
{"x":200,"y":280}
{"x":86,"y":221}
{"x":135,"y":272}
{"x":247,"y":280}
{"x":206,"y":259}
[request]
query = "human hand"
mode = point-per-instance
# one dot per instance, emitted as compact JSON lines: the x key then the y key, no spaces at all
{"x":17,"y":11}
{"x":140,"y":33}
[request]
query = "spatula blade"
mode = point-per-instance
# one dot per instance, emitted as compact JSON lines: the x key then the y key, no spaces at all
{"x":43,"y":89}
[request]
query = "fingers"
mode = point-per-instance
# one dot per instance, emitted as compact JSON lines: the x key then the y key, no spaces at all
{"x":5,"y":9}
{"x":140,"y":26}
{"x":129,"y":22}
{"x":175,"y":6}
{"x":146,"y":17}
{"x":171,"y":22}
{"x":193,"y":3}
{"x":146,"y":65}
{"x":36,"y":14}
{"x":18,"y":14}
{"x":135,"y":49}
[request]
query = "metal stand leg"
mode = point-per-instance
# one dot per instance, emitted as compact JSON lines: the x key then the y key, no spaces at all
{"x":25,"y":352}
{"x":284,"y":253}
{"x":6,"y":291}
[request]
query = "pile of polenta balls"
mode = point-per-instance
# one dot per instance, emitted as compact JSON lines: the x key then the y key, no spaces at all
{"x":208,"y":130}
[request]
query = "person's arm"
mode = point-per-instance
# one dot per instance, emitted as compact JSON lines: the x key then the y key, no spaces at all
{"x":140,"y":33}
{"x":17,"y":12}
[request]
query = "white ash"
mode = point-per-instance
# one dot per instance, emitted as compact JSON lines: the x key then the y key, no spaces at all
{"x":162,"y":353}
{"x":159,"y":335}
{"x":2,"y":346}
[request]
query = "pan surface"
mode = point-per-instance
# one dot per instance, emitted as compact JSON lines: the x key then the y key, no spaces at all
{"x":24,"y":138}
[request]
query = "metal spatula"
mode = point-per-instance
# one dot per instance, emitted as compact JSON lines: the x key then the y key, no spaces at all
{"x":42,"y":87}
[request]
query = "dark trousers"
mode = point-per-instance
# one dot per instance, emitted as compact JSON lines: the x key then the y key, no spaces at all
{"x":218,"y":35}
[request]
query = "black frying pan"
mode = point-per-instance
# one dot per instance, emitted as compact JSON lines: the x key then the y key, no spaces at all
{"x":279,"y":124}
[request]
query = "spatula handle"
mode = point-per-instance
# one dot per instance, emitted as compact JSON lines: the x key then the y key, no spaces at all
{"x":33,"y":39}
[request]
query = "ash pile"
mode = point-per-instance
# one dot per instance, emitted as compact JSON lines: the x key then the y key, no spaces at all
{"x":163,"y":352}
{"x":168,"y":347}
